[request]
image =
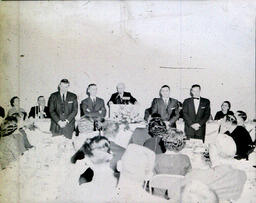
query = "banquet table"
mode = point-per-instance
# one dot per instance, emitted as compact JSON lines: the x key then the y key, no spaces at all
{"x":45,"y":174}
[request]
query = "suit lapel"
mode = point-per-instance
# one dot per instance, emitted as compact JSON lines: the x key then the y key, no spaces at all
{"x":199,"y":107}
{"x":192,"y":106}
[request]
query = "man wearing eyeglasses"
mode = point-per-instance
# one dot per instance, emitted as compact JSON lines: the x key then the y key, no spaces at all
{"x":63,"y":108}
{"x":196,"y":112}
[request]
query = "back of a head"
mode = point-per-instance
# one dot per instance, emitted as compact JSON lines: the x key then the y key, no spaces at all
{"x":197,"y":192}
{"x":175,"y":140}
{"x":242,"y":114}
{"x":157,"y":127}
{"x":137,"y":162}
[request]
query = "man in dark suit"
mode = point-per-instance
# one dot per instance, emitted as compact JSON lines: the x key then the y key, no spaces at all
{"x":63,"y":108}
{"x":196,"y":112}
{"x":40,"y":111}
{"x":166,"y":106}
{"x":93,"y":107}
{"x":121,"y":97}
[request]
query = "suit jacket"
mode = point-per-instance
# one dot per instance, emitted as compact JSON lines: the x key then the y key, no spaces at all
{"x":60,"y":110}
{"x":190,"y":117}
{"x":139,"y":136}
{"x":168,"y":113}
{"x":35,"y":110}
{"x":93,"y":110}
{"x":116,"y":99}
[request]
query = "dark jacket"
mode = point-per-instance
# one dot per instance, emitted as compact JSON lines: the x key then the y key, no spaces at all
{"x":190,"y":117}
{"x":60,"y":110}
{"x":116,"y":99}
{"x":92,"y":110}
{"x":168,"y":113}
{"x":35,"y":111}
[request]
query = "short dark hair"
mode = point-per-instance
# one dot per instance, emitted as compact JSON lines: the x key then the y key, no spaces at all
{"x":242,"y":114}
{"x":12,"y":100}
{"x":196,"y":85}
{"x":65,"y":81}
{"x":164,"y":86}
{"x":92,"y":84}
{"x":228,"y":103}
{"x":39,"y":97}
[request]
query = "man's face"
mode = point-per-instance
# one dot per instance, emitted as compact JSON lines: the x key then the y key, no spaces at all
{"x":165,"y":92}
{"x":225,"y":107}
{"x":16,"y":102}
{"x":195,"y":91}
{"x":64,"y":87}
{"x":41,"y":101}
{"x":120,"y":88}
{"x":93,"y":91}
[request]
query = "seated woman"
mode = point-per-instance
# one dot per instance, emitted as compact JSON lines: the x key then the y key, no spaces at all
{"x":97,"y":149}
{"x":173,"y":161}
{"x":136,"y":166}
{"x":156,"y":129}
{"x":14,"y":141}
{"x":225,"y":181}
{"x":240,"y":136}
{"x":225,"y":109}
{"x":15,"y":103}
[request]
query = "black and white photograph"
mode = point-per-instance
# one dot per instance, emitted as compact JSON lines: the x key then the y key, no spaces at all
{"x":128,"y":101}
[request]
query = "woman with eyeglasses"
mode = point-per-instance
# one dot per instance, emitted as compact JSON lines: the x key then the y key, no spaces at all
{"x":239,"y":134}
{"x":225,"y":110}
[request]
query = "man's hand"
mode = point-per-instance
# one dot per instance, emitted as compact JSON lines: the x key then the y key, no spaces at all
{"x":62,"y":124}
{"x":100,"y":112}
{"x":195,"y":126}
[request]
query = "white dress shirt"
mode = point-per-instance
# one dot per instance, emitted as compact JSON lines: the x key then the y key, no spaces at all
{"x":196,"y":104}
{"x":166,"y":100}
{"x":61,"y":95}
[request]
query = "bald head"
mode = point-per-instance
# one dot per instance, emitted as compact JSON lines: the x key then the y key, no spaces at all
{"x":120,"y":88}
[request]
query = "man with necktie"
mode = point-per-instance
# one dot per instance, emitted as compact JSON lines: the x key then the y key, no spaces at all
{"x":63,"y":107}
{"x":166,"y":106}
{"x":196,"y":112}
{"x":93,"y":106}
{"x":121,"y":97}
{"x":41,"y":111}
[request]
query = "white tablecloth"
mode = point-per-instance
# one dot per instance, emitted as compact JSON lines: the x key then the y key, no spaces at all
{"x":45,"y":174}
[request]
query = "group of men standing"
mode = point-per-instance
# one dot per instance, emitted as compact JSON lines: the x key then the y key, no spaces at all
{"x":63,"y":107}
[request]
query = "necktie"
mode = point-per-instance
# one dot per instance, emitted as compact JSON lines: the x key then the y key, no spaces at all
{"x":63,"y":98}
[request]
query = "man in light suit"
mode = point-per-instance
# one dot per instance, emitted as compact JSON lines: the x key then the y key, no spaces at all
{"x":166,"y":106}
{"x":93,"y":107}
{"x":121,"y":97}
{"x":40,"y":111}
{"x":196,"y":112}
{"x":63,"y":108}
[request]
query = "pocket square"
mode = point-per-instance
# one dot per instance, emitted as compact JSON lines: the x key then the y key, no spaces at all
{"x":172,"y":108}
{"x":203,"y":107}
{"x":70,"y":102}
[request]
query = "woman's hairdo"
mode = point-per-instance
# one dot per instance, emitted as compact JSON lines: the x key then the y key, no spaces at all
{"x":175,"y":140}
{"x":242,"y":114}
{"x":12,"y":100}
{"x":157,"y":127}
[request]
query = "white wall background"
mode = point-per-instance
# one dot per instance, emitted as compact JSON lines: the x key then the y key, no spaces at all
{"x":106,"y":42}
